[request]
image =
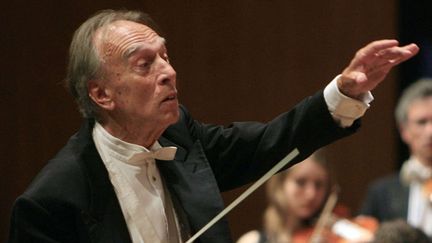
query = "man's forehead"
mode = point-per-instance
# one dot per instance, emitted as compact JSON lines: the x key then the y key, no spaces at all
{"x":125,"y":27}
{"x":142,"y":46}
{"x":125,"y":38}
{"x":421,"y":101}
{"x":419,"y":107}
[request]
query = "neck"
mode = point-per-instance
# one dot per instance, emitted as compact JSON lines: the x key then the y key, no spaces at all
{"x":427,"y":163}
{"x":292,"y":224}
{"x":140,"y":134}
{"x":424,"y":161}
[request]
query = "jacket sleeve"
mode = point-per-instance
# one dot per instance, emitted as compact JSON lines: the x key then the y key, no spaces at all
{"x":31,"y":222}
{"x":244,"y":151}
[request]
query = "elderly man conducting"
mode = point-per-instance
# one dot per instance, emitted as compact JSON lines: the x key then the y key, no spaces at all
{"x":112,"y":181}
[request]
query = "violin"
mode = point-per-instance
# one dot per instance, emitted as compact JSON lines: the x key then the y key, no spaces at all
{"x":360,"y":229}
{"x":333,"y":229}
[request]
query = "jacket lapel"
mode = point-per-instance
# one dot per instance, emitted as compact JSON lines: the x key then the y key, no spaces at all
{"x":193,"y":186}
{"x":401,"y":198}
{"x":104,"y":219}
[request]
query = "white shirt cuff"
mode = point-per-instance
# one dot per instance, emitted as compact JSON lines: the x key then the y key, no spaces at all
{"x":345,"y":110}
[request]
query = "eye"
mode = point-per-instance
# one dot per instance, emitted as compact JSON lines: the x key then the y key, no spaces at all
{"x":143,"y":63}
{"x":165,"y":57}
{"x":319,"y":185}
{"x":300,"y":182}
{"x":421,"y":122}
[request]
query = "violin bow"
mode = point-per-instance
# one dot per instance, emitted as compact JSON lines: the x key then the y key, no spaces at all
{"x":325,"y":215}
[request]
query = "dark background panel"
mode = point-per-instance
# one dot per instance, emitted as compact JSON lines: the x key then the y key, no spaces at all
{"x":415,"y":25}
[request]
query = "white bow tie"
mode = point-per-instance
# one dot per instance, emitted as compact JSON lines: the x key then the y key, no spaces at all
{"x":414,"y":170}
{"x":164,"y":153}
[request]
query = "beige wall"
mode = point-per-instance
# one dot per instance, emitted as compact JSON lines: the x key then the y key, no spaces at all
{"x":239,"y":60}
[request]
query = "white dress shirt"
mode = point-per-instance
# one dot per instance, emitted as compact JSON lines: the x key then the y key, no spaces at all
{"x":137,"y":183}
{"x":414,"y":174}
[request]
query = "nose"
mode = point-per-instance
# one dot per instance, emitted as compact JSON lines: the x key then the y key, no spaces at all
{"x":428,"y":128}
{"x":167,"y":73}
{"x":310,"y":191}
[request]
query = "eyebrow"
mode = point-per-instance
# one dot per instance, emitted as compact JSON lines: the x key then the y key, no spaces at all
{"x":136,"y":48}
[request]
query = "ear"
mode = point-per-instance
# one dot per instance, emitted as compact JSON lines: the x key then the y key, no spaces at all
{"x":404,"y":133}
{"x":100,"y":95}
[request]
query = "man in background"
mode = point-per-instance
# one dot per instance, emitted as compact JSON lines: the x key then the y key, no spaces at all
{"x":408,"y":195}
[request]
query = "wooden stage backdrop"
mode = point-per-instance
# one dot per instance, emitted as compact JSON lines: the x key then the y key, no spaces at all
{"x":236,"y":60}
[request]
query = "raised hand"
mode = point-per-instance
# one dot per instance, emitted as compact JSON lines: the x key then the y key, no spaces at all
{"x":371,"y":64}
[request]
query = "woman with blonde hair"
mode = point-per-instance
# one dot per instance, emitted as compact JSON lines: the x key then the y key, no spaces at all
{"x":296,"y":197}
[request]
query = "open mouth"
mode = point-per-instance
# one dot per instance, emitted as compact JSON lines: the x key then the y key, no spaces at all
{"x":170,"y":98}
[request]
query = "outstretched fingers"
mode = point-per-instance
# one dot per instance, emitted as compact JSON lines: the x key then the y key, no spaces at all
{"x":368,"y":53}
{"x":390,"y":57}
{"x":377,"y":46}
{"x":395,"y":54}
{"x":381,"y":54}
{"x":371,"y":64}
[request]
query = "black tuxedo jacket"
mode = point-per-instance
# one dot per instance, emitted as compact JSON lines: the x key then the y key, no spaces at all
{"x":72,"y":199}
{"x":387,"y":199}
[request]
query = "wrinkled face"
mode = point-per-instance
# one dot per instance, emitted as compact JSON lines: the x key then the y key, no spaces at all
{"x":139,"y":79}
{"x":305,"y":189}
{"x":417,"y":131}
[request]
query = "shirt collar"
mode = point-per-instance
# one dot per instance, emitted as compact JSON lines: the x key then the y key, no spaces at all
{"x":118,"y":148}
{"x":414,"y":170}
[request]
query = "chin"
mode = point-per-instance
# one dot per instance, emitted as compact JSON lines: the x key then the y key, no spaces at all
{"x":173,"y":117}
{"x":307,"y":213}
{"x":304,"y":215}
